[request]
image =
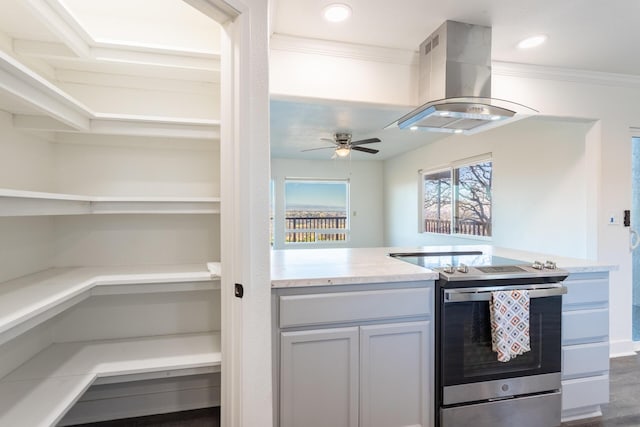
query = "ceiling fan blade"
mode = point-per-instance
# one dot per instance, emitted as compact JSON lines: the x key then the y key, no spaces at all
{"x":365,"y":150}
{"x":318,"y":148}
{"x":333,"y":141}
{"x":366,"y":141}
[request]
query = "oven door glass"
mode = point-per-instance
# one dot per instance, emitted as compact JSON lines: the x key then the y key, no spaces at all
{"x":467,"y":356}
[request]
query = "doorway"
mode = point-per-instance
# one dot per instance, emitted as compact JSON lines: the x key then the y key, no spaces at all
{"x":635,"y":226}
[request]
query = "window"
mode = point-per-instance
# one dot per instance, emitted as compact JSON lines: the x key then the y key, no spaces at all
{"x":457,"y":199}
{"x":316,"y":211}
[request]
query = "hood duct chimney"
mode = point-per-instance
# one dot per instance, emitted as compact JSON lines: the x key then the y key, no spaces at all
{"x":454,"y":82}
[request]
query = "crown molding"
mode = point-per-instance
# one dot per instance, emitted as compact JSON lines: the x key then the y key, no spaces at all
{"x":512,"y":69}
{"x":342,"y":50}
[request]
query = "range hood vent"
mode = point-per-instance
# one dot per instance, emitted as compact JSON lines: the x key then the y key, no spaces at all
{"x":454,"y":83}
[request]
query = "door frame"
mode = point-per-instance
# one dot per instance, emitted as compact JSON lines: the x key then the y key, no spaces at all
{"x":246,"y":398}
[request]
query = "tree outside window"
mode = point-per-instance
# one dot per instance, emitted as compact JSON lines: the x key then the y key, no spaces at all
{"x":457,"y":200}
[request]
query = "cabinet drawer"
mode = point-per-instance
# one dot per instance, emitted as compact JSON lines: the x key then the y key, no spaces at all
{"x":586,"y":292}
{"x":585,"y":392}
{"x":585,"y":359}
{"x":585,"y":325}
{"x":340,"y":307}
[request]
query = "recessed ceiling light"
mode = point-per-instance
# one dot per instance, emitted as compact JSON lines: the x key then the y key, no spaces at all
{"x":337,"y":12}
{"x":457,"y":131}
{"x":413,"y":128}
{"x":533,"y":41}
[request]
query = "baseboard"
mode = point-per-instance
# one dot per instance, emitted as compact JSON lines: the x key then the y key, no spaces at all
{"x":141,"y":398}
{"x":589,"y":412}
{"x":621,"y":348}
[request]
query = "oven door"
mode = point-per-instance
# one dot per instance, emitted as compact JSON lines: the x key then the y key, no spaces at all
{"x":465,"y":333}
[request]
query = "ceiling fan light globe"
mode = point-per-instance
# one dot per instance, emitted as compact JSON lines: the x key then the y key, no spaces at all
{"x":342,"y":151}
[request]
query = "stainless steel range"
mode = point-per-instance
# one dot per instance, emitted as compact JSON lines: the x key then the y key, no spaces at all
{"x":472,"y":386}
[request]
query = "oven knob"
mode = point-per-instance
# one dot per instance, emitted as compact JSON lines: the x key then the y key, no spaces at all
{"x":550,"y":265}
{"x":505,"y":387}
{"x":449,"y":269}
{"x":462,"y":268}
{"x":537,"y":265}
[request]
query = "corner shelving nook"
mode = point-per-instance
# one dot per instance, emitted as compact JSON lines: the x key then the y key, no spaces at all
{"x":105,"y":280}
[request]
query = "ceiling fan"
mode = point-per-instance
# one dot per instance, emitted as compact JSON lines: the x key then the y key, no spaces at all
{"x":343,"y":145}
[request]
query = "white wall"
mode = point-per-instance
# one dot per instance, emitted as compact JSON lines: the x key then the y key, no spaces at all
{"x":25,"y":160}
{"x":366,"y":196}
{"x":26,"y":163}
{"x":116,"y":96}
{"x":137,"y":166}
{"x":613,"y":100}
{"x":119,"y":316}
{"x":135,"y":239}
{"x":539,"y":187}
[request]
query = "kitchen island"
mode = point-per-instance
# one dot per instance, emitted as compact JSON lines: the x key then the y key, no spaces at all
{"x":353,"y":335}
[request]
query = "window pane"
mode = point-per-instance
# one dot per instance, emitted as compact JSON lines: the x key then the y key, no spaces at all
{"x":473,"y":199}
{"x":437,"y":202}
{"x":316,"y":211}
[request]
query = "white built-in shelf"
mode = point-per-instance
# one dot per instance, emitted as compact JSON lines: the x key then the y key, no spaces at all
{"x":32,"y":203}
{"x":43,"y":389}
{"x":33,"y":299}
{"x":60,"y":112}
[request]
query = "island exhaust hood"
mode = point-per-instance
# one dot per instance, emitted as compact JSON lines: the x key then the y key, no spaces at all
{"x":454,"y":82}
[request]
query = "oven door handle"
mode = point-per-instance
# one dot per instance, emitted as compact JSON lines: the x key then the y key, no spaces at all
{"x":482,"y":294}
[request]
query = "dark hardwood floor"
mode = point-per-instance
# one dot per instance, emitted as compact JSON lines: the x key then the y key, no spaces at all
{"x":623,"y":409}
{"x":209,"y":417}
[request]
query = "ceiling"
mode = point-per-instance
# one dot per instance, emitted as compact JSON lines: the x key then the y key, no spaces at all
{"x":583,"y":34}
{"x":103,"y":39}
{"x":580,"y":36}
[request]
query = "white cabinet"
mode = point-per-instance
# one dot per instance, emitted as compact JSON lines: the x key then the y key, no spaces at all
{"x":396,"y":369}
{"x":319,"y":378}
{"x":368,"y":367}
{"x":585,"y":345}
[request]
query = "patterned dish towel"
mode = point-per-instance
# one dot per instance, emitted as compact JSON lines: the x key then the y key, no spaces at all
{"x":510,"y":323}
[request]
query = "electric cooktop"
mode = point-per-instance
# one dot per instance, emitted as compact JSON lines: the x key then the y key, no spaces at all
{"x":475,"y":265}
{"x":434,"y":260}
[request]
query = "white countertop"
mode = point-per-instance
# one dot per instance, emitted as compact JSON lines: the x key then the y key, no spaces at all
{"x":321,"y":267}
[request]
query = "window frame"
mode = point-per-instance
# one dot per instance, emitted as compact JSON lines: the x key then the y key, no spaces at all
{"x":346,"y":231}
{"x":451,"y":168}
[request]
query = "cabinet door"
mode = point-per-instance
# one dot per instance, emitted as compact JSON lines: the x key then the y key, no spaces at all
{"x":395,"y":375}
{"x":319,"y":378}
